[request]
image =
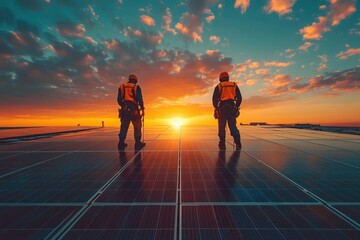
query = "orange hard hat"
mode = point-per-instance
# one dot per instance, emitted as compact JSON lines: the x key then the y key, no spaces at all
{"x":132,"y":76}
{"x":223,"y":75}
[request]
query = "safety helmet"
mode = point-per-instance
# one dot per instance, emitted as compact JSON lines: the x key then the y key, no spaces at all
{"x":133,"y":77}
{"x":223,"y":76}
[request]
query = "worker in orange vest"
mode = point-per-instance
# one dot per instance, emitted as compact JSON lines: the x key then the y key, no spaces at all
{"x":226,"y":101}
{"x":132,"y":110}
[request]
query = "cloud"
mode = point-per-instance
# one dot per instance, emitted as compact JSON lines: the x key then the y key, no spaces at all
{"x":215,"y":39}
{"x":347,"y":80}
{"x":305,"y":46}
{"x":24,"y":41}
{"x":167,"y":19}
{"x":316,"y":29}
{"x":340,"y":81}
{"x":251,"y":82}
{"x":147,"y":20}
{"x":243,"y":4}
{"x":91,"y":40}
{"x":210,"y":18}
{"x":190,"y":26}
{"x":199,"y":7}
{"x":259,"y":102}
{"x":323,"y":64}
{"x":263,"y":71}
{"x":191,"y":23}
{"x":71,"y":30}
{"x":277,"y":64}
{"x":348,"y":53}
{"x":341,"y":9}
{"x":83,"y":73}
{"x":144,"y":39}
{"x":281,"y":7}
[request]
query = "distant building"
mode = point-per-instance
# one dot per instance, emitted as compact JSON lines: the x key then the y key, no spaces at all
{"x":258,"y":123}
{"x":306,"y":125}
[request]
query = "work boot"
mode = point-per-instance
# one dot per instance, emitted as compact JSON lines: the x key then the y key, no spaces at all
{"x":122,"y":144}
{"x":139,"y":144}
{"x":237,"y":142}
{"x":221,"y":144}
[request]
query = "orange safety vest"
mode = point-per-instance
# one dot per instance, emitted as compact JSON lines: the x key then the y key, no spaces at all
{"x":227,"y":90}
{"x":128,"y":92}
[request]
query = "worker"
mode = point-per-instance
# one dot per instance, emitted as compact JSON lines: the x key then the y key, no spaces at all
{"x":132,"y":110}
{"x":226,"y":101}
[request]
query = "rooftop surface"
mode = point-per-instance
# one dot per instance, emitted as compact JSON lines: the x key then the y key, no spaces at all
{"x":284,"y":184}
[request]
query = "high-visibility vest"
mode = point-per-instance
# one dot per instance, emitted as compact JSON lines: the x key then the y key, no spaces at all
{"x":227,"y":90}
{"x":128,"y":92}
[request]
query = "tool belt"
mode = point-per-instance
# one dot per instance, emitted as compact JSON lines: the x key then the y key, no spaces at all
{"x":130,"y":108}
{"x":227,"y":108}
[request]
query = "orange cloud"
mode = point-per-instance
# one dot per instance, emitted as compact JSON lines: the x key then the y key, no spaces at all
{"x":91,"y":40}
{"x":341,"y":9}
{"x":263,"y":71}
{"x":281,"y":7}
{"x":250,"y":82}
{"x":316,"y":29}
{"x":348,"y":53}
{"x":210,"y":18}
{"x":322,"y":66}
{"x":243,"y":4}
{"x":71,"y":30}
{"x":215,"y":39}
{"x":190,"y":27}
{"x":305,"y":46}
{"x":167,"y":19}
{"x":278,"y":64}
{"x":147,"y":20}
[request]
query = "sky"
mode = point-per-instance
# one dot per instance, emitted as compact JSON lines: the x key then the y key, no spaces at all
{"x":62,"y":61}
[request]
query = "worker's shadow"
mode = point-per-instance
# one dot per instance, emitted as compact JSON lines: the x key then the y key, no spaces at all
{"x":227,"y":173}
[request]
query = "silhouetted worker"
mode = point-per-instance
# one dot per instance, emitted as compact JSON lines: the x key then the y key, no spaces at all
{"x":226,"y":101}
{"x":131,"y":102}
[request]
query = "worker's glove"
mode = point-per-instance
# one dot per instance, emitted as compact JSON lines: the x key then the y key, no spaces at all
{"x":237,"y":112}
{"x":216,"y":113}
{"x":119,"y":112}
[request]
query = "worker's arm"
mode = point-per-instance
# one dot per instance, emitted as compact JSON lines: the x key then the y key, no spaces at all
{"x":215,"y":97}
{"x":238,"y":97}
{"x":119,"y":98}
{"x":139,"y":97}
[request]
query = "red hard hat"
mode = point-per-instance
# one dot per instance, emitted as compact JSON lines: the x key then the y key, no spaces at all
{"x":132,"y":76}
{"x":223,"y":75}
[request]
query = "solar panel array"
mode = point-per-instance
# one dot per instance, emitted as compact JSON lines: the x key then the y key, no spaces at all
{"x":284,"y":184}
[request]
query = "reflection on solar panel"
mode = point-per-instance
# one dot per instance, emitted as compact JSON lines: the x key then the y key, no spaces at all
{"x":283,"y":184}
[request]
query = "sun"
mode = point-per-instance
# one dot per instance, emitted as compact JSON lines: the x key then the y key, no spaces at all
{"x":177,"y":122}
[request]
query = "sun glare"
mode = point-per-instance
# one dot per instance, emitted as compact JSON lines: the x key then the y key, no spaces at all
{"x":177,"y":122}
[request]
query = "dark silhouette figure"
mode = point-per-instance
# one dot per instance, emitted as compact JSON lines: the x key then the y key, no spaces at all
{"x":226,"y":101}
{"x":132,"y":110}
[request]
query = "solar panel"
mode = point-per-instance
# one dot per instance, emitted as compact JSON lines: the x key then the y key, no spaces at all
{"x":283,"y":184}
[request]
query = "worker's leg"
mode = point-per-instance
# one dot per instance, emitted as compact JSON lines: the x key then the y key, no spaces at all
{"x":125,"y":122}
{"x":234,"y":131}
{"x":221,"y":130}
{"x":136,"y":121}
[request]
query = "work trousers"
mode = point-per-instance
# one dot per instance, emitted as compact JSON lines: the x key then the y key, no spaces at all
{"x":227,"y":115}
{"x":133,"y":117}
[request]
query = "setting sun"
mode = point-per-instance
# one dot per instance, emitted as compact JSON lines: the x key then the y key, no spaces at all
{"x":177,"y":122}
